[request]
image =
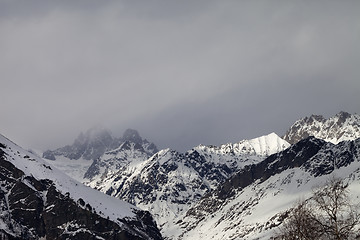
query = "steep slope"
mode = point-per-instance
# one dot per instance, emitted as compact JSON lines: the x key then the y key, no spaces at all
{"x":254,"y":201}
{"x":38,"y":201}
{"x":169,"y":182}
{"x":342,"y":126}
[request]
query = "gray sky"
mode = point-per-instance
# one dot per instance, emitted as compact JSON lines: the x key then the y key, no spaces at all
{"x":180,"y":72}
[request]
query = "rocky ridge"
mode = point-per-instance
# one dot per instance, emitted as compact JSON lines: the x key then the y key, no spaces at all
{"x":343,"y":126}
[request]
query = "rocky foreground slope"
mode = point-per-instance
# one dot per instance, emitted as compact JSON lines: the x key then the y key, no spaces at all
{"x":37,"y":201}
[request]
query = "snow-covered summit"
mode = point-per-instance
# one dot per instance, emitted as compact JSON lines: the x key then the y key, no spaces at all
{"x":132,"y":136}
{"x":261,"y":146}
{"x":343,"y":126}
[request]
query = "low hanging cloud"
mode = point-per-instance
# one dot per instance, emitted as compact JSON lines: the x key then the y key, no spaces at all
{"x":182,"y":73}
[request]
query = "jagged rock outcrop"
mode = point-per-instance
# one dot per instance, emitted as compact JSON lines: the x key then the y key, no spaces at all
{"x":38,"y":201}
{"x":342,"y":126}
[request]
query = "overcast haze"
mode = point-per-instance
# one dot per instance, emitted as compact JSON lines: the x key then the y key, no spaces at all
{"x":182,"y":73}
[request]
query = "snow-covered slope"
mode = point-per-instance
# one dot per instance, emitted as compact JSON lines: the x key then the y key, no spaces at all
{"x":343,"y":126}
{"x":252,"y":203}
{"x":169,"y":182}
{"x":62,"y":207}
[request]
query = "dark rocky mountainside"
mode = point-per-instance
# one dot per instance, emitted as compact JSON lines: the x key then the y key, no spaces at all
{"x":250,"y":203}
{"x":342,"y":126}
{"x":34,"y":207}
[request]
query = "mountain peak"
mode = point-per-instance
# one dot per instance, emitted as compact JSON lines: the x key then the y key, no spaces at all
{"x":132,"y":135}
{"x":342,"y":117}
{"x":343,"y":114}
{"x":89,"y":145}
{"x":343,"y":126}
{"x":97,"y":131}
{"x":267,"y":144}
{"x":319,"y":118}
{"x":260,"y":147}
{"x":94,"y":134}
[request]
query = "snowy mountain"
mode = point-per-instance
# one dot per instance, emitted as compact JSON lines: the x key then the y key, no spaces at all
{"x":342,"y":126}
{"x":169,"y":182}
{"x":238,"y":190}
{"x":38,"y":201}
{"x":98,"y":143}
{"x":261,"y":146}
{"x":132,"y":151}
{"x":254,"y":201}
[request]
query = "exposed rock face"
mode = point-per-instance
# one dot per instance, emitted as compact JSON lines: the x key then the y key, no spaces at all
{"x":343,"y":126}
{"x":34,"y":208}
{"x":253,"y":201}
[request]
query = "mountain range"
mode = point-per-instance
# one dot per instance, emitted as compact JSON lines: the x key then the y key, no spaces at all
{"x":254,"y":201}
{"x":169,"y":182}
{"x":237,"y":190}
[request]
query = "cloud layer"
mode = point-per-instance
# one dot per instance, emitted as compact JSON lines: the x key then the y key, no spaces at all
{"x":182,"y":73}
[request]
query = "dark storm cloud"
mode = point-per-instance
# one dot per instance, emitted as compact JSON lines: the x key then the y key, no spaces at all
{"x":181,"y":72}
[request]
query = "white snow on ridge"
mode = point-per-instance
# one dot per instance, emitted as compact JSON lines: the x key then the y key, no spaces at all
{"x":34,"y":166}
{"x":261,"y":146}
{"x":268,"y":144}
